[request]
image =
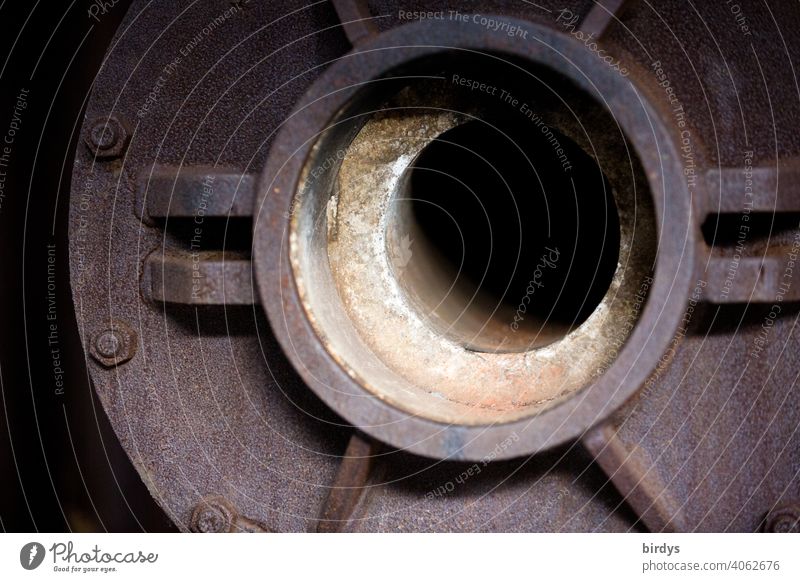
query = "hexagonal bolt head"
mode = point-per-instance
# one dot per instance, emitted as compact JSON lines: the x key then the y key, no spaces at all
{"x":113,"y":346}
{"x":216,"y":515}
{"x":107,"y":137}
{"x":213,"y":515}
{"x":783,"y":519}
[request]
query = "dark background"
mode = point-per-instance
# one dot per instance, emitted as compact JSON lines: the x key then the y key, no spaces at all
{"x":61,"y":467}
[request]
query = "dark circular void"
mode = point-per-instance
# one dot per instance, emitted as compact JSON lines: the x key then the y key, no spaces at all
{"x":510,"y":243}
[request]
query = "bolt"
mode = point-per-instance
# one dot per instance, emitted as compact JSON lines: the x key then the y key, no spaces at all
{"x":107,"y":137}
{"x":213,"y":515}
{"x":114,"y":345}
{"x":108,"y":344}
{"x":103,"y":136}
{"x":783,"y":519}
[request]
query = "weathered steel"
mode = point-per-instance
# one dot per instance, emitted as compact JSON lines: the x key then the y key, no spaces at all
{"x":194,"y":192}
{"x":107,"y":137}
{"x":350,"y":485}
{"x":783,"y":519}
{"x":114,"y":345}
{"x":767,"y":278}
{"x":216,"y":515}
{"x":198,"y":277}
{"x":356,"y":19}
{"x":755,"y":189}
{"x":636,"y":477}
{"x":225,"y":403}
{"x":601,"y":15}
{"x":286,"y":183}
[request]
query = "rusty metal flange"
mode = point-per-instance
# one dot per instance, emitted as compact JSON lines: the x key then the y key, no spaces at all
{"x":654,"y":142}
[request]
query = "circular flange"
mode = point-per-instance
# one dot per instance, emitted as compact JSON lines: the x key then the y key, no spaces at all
{"x":286,"y":173}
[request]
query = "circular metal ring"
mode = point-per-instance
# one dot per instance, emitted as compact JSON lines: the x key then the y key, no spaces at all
{"x":653,"y":141}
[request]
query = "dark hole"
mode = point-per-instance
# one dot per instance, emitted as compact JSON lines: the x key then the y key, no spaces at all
{"x":512,"y":243}
{"x":730,"y":229}
{"x":212,"y":233}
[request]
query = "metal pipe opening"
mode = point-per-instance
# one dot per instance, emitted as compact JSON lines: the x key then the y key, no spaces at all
{"x":495,"y":245}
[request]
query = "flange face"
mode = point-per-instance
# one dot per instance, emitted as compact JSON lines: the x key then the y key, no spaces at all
{"x":305,"y":266}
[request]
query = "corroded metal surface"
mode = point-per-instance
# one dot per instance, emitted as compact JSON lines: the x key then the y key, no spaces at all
{"x":194,"y":192}
{"x":237,"y":421}
{"x":198,"y":278}
{"x":286,"y":174}
{"x":451,"y":364}
{"x":351,"y":485}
